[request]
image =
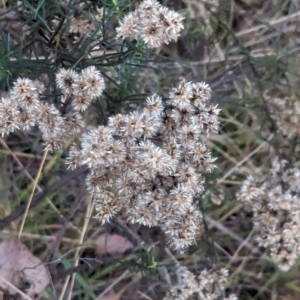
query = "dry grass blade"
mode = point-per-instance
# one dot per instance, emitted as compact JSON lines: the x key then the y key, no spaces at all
{"x":32,"y":192}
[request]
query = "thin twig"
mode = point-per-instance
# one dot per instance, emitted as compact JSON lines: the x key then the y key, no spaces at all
{"x":48,"y":190}
{"x":33,"y":190}
{"x":233,"y":258}
{"x":273,"y":22}
{"x":113,"y":284}
{"x":14,"y":155}
{"x":15,"y":288}
{"x":227,"y":231}
{"x":89,"y":211}
{"x":144,"y":295}
{"x":244,"y":160}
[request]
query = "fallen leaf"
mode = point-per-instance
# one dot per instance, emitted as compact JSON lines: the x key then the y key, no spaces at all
{"x":22,"y":269}
{"x":11,"y":23}
{"x":112,"y":244}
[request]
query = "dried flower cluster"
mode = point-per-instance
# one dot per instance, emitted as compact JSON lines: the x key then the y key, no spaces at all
{"x":149,"y":164}
{"x":275,"y":205}
{"x":207,"y":285}
{"x":80,"y":89}
{"x":23,"y":108}
{"x":153,"y":23}
{"x":81,"y":24}
{"x":286,"y":113}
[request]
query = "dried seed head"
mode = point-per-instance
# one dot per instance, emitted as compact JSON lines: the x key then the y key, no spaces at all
{"x":65,"y":79}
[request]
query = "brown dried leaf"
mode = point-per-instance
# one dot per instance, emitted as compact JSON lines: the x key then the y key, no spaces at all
{"x":112,"y":244}
{"x":19,"y":267}
{"x":12,"y":24}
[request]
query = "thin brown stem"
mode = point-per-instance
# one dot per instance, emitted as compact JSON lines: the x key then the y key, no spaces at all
{"x":89,"y":211}
{"x":35,"y":183}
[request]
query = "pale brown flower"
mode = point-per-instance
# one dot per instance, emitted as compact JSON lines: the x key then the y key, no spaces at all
{"x":65,"y":79}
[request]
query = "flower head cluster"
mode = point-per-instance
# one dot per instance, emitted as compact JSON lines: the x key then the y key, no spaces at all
{"x":148,"y":164}
{"x":80,"y":25}
{"x":275,"y":205}
{"x":80,"y":89}
{"x":153,"y":23}
{"x":207,"y":285}
{"x":23,"y":108}
{"x":286,"y":113}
